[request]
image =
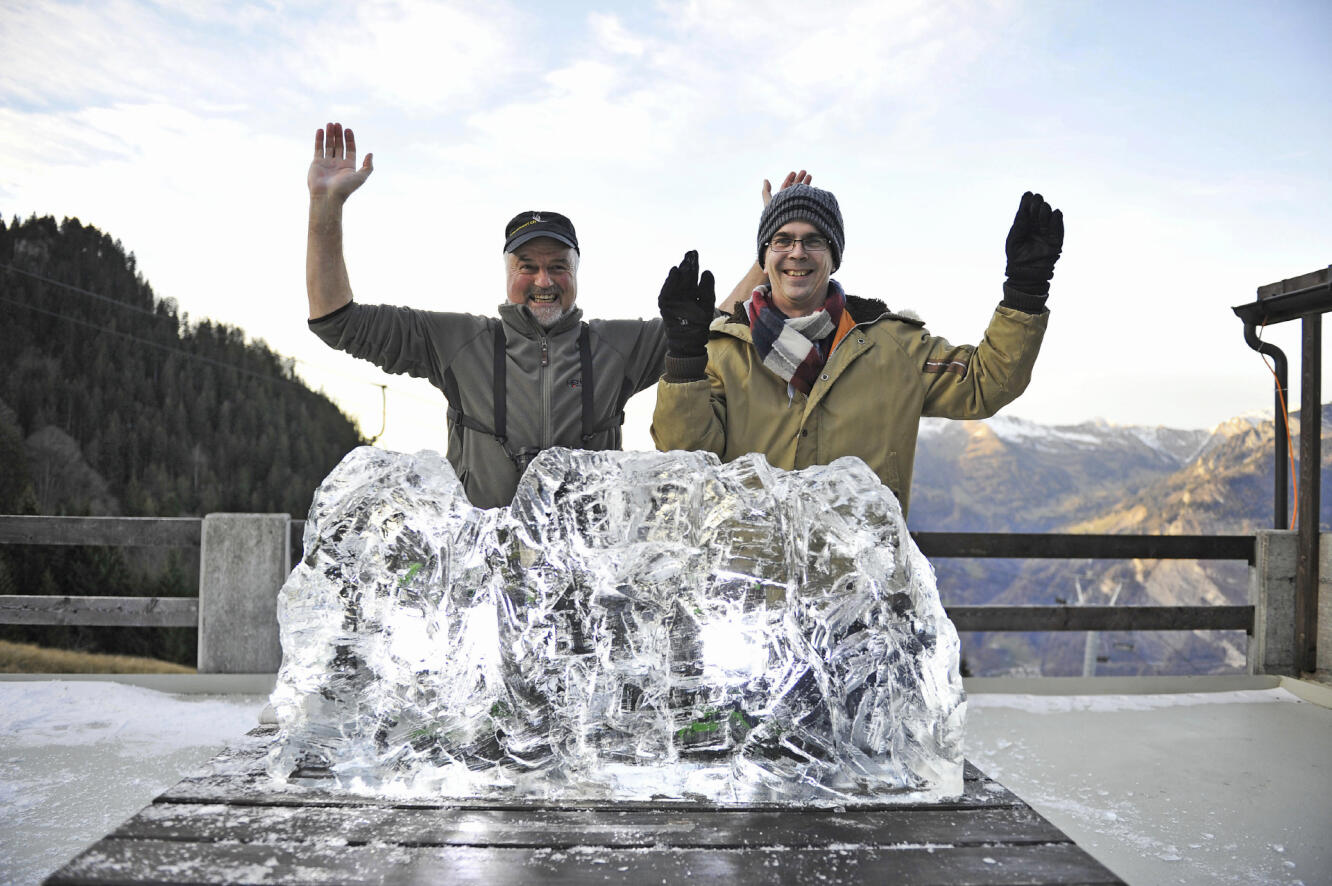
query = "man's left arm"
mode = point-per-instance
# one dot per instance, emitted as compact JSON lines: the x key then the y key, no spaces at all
{"x":976,"y":382}
{"x":690,"y":411}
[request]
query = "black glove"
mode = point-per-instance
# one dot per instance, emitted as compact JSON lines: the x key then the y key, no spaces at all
{"x":686,"y":302}
{"x":1033,"y":245}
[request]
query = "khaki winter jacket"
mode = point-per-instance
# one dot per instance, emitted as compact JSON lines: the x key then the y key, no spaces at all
{"x":885,"y":374}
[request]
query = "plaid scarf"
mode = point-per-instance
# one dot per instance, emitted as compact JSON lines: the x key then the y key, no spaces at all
{"x":795,"y":348}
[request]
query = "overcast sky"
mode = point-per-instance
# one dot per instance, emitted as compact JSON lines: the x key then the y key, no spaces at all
{"x":1188,"y":145}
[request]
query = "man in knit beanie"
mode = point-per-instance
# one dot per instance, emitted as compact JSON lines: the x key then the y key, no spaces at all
{"x":805,"y":374}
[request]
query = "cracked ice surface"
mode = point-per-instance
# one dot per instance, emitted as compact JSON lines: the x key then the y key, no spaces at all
{"x":636,"y":625}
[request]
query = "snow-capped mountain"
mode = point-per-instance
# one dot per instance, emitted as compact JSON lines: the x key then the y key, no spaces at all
{"x":1011,"y":475}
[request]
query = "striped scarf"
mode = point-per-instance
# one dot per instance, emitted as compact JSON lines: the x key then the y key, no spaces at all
{"x":795,"y":348}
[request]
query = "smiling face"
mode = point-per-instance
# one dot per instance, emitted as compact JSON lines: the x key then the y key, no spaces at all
{"x":543,"y":274}
{"x":799,"y":279}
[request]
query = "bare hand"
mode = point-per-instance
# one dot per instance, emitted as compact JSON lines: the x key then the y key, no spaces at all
{"x":792,"y":178}
{"x":333,"y":173}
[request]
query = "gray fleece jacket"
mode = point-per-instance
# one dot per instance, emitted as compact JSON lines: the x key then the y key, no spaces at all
{"x":544,"y":378}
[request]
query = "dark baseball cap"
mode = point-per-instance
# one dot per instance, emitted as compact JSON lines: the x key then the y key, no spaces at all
{"x":529,"y":225}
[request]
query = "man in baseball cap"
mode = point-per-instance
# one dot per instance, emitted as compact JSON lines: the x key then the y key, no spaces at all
{"x":535,"y":376}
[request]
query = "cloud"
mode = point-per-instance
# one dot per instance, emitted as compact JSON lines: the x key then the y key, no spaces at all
{"x":837,"y":69}
{"x":694,"y":79}
{"x":416,"y":56}
{"x":419,"y":57}
{"x":61,"y":55}
{"x":610,"y":34}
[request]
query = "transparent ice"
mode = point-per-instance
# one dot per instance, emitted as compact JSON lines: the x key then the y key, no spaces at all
{"x":636,"y":625}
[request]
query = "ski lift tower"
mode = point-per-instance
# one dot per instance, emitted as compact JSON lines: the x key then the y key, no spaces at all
{"x":1305,"y":298}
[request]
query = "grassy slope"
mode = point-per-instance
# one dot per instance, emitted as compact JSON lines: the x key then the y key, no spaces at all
{"x":26,"y":658}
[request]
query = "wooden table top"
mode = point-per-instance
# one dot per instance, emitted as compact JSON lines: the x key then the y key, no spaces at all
{"x":233,"y":824}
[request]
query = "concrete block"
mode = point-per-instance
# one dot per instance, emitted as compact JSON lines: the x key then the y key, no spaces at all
{"x":1272,"y":591}
{"x":243,"y":561}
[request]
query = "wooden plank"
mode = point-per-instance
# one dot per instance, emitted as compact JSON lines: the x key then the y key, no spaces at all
{"x":169,"y":861}
{"x":184,"y":612}
{"x":1021,"y":545}
{"x":1101,"y":618}
{"x":1311,"y":280}
{"x":239,"y":776}
{"x":157,"y":612}
{"x":260,"y":790}
{"x":185,"y":531}
{"x":618,"y":827}
{"x":177,"y":532}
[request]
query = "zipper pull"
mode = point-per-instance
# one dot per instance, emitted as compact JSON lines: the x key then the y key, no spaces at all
{"x":545,"y":351}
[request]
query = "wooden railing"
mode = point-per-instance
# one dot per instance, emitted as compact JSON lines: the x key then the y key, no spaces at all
{"x":185,"y":532}
{"x":1030,"y":546}
{"x":154,"y":612}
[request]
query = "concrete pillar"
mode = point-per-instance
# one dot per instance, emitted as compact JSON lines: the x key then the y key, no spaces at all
{"x":243,"y":561}
{"x":1272,"y":591}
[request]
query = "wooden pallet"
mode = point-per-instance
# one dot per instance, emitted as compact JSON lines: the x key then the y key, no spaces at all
{"x":232,"y":824}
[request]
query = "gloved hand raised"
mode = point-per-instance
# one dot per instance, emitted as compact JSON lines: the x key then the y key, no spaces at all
{"x":686,"y":303}
{"x":1033,"y":245}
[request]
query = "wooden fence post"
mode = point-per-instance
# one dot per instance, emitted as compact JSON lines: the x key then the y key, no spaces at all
{"x":243,"y":561}
{"x":1323,"y":656}
{"x":1272,"y":591}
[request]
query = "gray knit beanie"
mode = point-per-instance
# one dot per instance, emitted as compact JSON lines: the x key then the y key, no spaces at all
{"x":803,"y":203}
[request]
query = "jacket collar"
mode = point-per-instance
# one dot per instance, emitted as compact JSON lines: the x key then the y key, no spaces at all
{"x":520,"y":319}
{"x":862,"y":310}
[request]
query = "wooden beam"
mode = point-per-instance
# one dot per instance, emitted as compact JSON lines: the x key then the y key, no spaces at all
{"x":1101,"y":618}
{"x":178,"y":532}
{"x":1311,"y":428}
{"x":148,"y":612}
{"x":1022,"y":545}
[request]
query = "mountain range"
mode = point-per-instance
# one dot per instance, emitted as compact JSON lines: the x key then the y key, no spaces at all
{"x":1011,"y":475}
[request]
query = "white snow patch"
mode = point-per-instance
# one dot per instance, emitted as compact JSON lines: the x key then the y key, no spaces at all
{"x":1059,"y":704}
{"x":77,"y":713}
{"x":82,"y":757}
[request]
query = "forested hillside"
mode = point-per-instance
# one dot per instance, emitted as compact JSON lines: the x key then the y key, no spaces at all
{"x":114,"y":403}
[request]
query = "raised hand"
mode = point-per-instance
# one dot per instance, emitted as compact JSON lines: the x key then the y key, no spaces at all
{"x":792,"y":178}
{"x":686,"y":303}
{"x":333,"y":173}
{"x":1033,"y":245}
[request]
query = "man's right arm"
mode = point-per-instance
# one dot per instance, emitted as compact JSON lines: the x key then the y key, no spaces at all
{"x":332,"y":178}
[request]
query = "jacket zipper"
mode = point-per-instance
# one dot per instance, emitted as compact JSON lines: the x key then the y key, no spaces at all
{"x":546,"y":436}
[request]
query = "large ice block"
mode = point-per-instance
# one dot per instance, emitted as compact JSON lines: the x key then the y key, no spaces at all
{"x":635,"y":625}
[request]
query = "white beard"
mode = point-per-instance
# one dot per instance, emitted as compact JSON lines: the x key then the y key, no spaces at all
{"x":546,"y":315}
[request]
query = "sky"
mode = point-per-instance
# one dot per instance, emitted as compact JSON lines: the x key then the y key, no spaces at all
{"x":1187,"y":144}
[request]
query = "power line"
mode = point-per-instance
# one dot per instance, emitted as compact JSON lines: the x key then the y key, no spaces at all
{"x":82,"y":291}
{"x":125,"y":305}
{"x":152,"y":344}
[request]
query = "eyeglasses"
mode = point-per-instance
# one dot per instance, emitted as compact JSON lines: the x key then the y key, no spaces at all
{"x":812,"y":243}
